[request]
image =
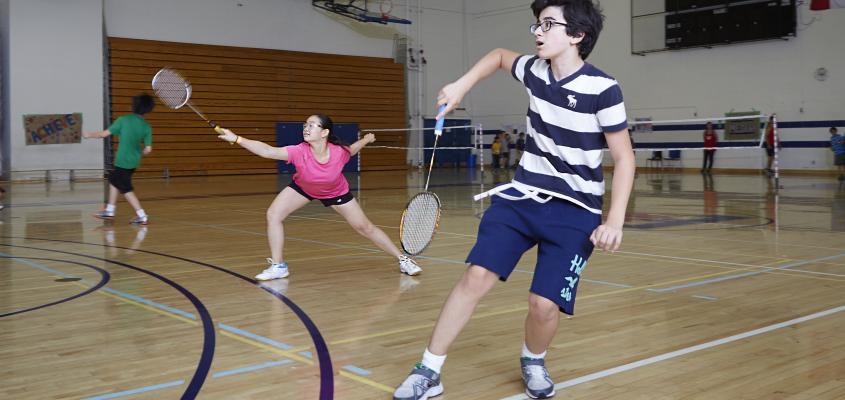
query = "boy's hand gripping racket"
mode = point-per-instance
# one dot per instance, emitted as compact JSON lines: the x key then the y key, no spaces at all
{"x":174,"y":91}
{"x":422,"y":214}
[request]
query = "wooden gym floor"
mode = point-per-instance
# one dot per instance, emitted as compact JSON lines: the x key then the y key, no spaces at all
{"x":722,"y":290}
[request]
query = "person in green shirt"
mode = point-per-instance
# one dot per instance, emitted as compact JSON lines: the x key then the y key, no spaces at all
{"x":132,"y":129}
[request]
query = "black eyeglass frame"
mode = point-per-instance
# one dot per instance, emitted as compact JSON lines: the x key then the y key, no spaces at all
{"x":545,"y":25}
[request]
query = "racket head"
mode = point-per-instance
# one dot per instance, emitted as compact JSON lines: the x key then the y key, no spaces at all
{"x":171,"y":88}
{"x":419,"y":222}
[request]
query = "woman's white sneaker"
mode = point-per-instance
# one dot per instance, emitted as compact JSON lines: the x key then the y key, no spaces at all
{"x":274,"y":271}
{"x":407,"y":265}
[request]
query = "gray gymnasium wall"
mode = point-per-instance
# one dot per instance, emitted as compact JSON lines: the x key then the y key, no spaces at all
{"x":55,"y":63}
{"x":4,"y":83}
{"x":774,"y":76}
{"x":54,"y":67}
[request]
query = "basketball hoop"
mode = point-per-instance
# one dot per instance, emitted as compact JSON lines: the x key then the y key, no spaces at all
{"x":385,"y":7}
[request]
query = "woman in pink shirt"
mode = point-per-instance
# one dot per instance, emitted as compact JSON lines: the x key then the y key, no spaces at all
{"x":319,"y":162}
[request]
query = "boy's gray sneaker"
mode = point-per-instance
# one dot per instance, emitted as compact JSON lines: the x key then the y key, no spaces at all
{"x":421,"y":384}
{"x":538,"y":384}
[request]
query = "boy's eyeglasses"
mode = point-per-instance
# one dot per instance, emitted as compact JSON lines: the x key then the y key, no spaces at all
{"x":545,"y":25}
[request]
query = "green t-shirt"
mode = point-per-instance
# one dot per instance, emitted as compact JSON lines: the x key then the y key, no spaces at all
{"x":132,"y":129}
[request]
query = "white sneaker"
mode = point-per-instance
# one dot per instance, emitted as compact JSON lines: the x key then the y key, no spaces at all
{"x":274,"y":271}
{"x":407,"y":265}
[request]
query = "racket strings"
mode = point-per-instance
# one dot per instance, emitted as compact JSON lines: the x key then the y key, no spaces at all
{"x":171,"y":88}
{"x":419,"y":222}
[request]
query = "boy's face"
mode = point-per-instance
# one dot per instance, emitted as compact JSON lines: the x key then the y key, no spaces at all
{"x":555,"y":41}
{"x":833,"y":131}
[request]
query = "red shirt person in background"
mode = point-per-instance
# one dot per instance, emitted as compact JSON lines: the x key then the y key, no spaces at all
{"x":710,"y":141}
{"x":770,"y":143}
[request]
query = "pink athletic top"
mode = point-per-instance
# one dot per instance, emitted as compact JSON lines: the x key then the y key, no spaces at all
{"x":320,"y":181}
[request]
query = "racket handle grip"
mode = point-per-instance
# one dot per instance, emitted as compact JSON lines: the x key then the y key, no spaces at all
{"x":217,"y":128}
{"x":438,"y":126}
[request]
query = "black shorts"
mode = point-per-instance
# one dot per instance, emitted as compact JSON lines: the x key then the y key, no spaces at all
{"x":770,"y":151}
{"x":333,"y":201}
{"x":121,"y":178}
{"x":839,"y":159}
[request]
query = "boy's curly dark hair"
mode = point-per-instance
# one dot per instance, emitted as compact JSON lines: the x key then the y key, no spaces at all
{"x":142,"y":104}
{"x":582,"y":17}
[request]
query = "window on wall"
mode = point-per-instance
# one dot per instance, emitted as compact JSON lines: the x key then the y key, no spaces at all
{"x":661,"y":25}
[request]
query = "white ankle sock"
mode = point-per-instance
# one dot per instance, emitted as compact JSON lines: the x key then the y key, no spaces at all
{"x":527,"y":353}
{"x":110,"y":208}
{"x":141,"y":213}
{"x":433,"y":361}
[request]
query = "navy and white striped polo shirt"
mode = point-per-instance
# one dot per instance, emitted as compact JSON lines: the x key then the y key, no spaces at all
{"x":565,"y":125}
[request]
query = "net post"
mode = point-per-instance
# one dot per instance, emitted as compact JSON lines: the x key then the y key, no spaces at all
{"x":359,"y":153}
{"x":481,"y":149}
{"x":777,"y":153}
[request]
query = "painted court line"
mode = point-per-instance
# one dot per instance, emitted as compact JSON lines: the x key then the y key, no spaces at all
{"x":257,"y":338}
{"x":357,"y":370}
{"x":743,"y":275}
{"x":251,"y":368}
{"x":677,"y":353}
{"x":136,"y":391}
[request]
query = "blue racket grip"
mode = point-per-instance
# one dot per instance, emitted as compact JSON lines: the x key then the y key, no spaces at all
{"x":438,"y":126}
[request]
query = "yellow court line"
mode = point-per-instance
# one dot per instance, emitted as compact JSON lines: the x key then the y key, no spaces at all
{"x":524,"y":308}
{"x":172,"y":274}
{"x":367,"y":382}
{"x":146,"y":307}
{"x":292,"y":354}
{"x":286,"y":353}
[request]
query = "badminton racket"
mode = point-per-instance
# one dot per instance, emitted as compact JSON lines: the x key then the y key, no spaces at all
{"x":422,"y":214}
{"x":175,"y":92}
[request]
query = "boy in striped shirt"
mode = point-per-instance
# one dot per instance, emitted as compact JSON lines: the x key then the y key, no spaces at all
{"x":555,"y":198}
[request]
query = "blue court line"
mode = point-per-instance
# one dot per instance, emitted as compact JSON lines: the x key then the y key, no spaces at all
{"x":356,"y":370}
{"x":306,"y":354}
{"x":151,"y":303}
{"x":112,"y":291}
{"x":743,"y":275}
{"x":255,"y":337}
{"x":136,"y":391}
{"x":698,"y":296}
{"x":251,"y":368}
{"x":169,"y":309}
{"x":37,"y":266}
{"x":220,"y":374}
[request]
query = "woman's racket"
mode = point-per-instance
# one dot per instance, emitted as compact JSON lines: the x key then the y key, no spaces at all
{"x":174,"y":91}
{"x":422,"y":214}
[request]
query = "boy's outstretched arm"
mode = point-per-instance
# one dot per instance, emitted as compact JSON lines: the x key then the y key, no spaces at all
{"x":96,"y":135}
{"x":608,"y":236}
{"x":453,"y":93}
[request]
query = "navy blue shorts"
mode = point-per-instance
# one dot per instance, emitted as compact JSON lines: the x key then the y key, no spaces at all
{"x":561,"y":231}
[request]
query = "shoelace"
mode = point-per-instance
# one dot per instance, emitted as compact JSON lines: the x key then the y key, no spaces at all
{"x":422,"y":384}
{"x":534,"y":371}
